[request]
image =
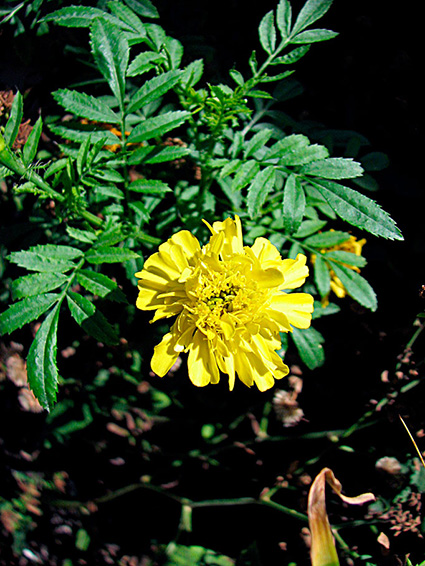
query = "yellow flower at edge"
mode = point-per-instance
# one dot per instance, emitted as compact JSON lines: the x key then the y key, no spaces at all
{"x":230,"y":304}
{"x":351,"y":245}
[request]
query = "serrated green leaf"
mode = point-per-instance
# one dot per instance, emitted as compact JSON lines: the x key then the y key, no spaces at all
{"x":110,"y":236}
{"x":314,"y":36}
{"x":310,"y":13}
{"x":140,"y":210}
{"x":322,"y":277}
{"x":107,"y":174}
{"x":85,"y":106}
{"x":192,"y":73}
{"x":108,"y":191}
{"x":128,"y":17}
{"x":259,"y":189}
{"x":244,"y":176}
{"x":157,"y":126}
{"x":278,"y":77}
{"x":327,"y":239}
{"x":174,"y":50}
{"x":39,"y":259}
{"x":99,"y":328}
{"x":80,"y":132}
{"x":31,"y":145}
{"x":293,"y":204}
{"x":107,"y":254}
{"x":346,"y":257}
{"x":358,"y":210}
{"x":291,"y":57}
{"x":149,"y":187}
{"x":99,"y":285}
{"x":153,"y":90}
{"x":309,"y":227}
{"x":260,"y":94}
{"x":79,"y":16}
{"x":356,"y":286}
{"x":157,"y":154}
{"x":287,"y":145}
{"x":143,"y":63}
{"x":267,"y":33}
{"x":36,"y":284}
{"x":309,"y":345}
{"x":81,"y":235}
{"x":284,"y":18}
{"x":144,"y":8}
{"x":12,"y":125}
{"x":41,"y":361}
{"x":333,"y":168}
{"x":320,"y":310}
{"x":257,"y":141}
{"x":303,"y":155}
{"x":237,"y":77}
{"x":111,"y":52}
{"x":230,"y":167}
{"x":80,"y":307}
{"x":25,"y":311}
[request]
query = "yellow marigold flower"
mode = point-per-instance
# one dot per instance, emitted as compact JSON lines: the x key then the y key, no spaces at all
{"x":351,"y":245}
{"x":230,"y":305}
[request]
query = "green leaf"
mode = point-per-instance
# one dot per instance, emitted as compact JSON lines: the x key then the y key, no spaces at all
{"x":244,"y":176}
{"x":309,"y":227}
{"x":12,"y":125}
{"x":356,"y":286}
{"x":346,"y":257}
{"x":293,"y":204}
{"x":278,"y":77}
{"x":259,"y":189}
{"x":327,"y":239}
{"x":333,"y":168}
{"x":260,"y":93}
{"x":309,"y":345}
{"x":303,"y":155}
{"x":192,"y":73}
{"x":108,"y":191}
{"x":358,"y":210}
{"x":144,"y":8}
{"x":267,"y":33}
{"x":80,"y":307}
{"x":322,"y":277}
{"x":314,"y":36}
{"x":78,"y":16}
{"x":99,"y":285}
{"x":237,"y":77}
{"x":25,"y":311}
{"x":157,"y":126}
{"x":98,"y":327}
{"x":41,"y":361}
{"x":85,"y":106}
{"x":287,"y":145}
{"x":257,"y":141}
{"x":153,"y":90}
{"x":81,"y":235}
{"x":230,"y":167}
{"x":291,"y":57}
{"x":31,"y":145}
{"x":128,"y":18}
{"x":36,"y":284}
{"x":284,"y":18}
{"x":143,"y":63}
{"x":46,"y":258}
{"x":111,"y":52}
{"x":140,"y":210}
{"x":375,"y":161}
{"x":310,"y":13}
{"x":149,"y":187}
{"x":107,"y":254}
{"x":157,"y":154}
{"x":80,"y":132}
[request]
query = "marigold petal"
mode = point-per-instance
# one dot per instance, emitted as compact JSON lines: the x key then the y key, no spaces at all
{"x":201,"y":362}
{"x":265,"y":251}
{"x":232,"y":230}
{"x":295,"y":272}
{"x":164,"y":355}
{"x":297,"y":307}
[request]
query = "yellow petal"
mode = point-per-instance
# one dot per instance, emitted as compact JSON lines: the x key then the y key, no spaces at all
{"x":201,"y":362}
{"x":164,"y":355}
{"x":297,"y":307}
{"x":295,"y":272}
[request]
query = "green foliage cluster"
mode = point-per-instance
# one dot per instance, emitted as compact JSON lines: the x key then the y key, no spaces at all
{"x":148,"y":147}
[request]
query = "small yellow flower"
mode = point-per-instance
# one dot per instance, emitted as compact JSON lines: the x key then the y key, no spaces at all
{"x":230,"y":305}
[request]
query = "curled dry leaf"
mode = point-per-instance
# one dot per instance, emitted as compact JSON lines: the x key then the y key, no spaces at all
{"x":323,"y":551}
